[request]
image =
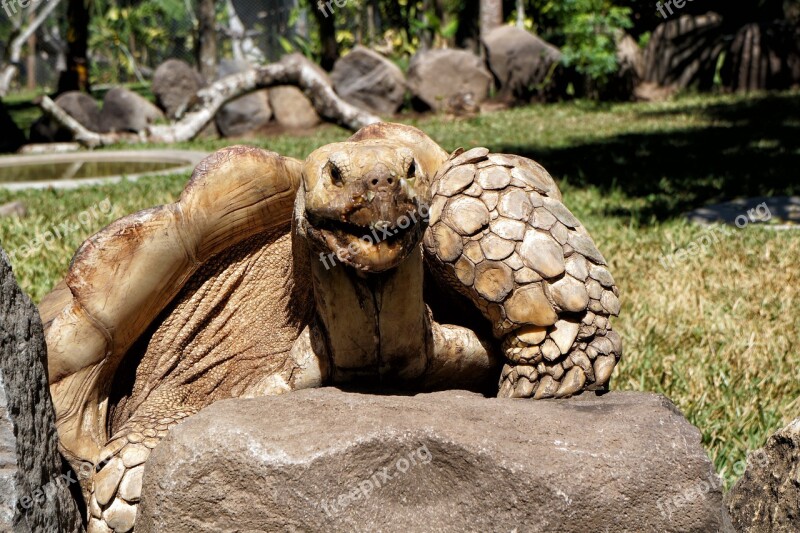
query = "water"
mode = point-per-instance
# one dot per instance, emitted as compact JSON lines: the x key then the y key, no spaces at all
{"x":80,"y":169}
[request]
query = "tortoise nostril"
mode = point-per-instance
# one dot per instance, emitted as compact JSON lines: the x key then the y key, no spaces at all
{"x":390,"y":180}
{"x":375,"y":181}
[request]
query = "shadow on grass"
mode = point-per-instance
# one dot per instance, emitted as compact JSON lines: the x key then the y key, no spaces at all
{"x":753,"y":151}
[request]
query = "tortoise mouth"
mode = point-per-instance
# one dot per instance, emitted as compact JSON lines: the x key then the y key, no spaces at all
{"x":378,"y":247}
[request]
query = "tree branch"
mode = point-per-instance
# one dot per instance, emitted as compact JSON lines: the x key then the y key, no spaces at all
{"x":10,"y":71}
{"x":291,"y":70}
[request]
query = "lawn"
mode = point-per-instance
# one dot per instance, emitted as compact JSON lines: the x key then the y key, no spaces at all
{"x":716,"y":331}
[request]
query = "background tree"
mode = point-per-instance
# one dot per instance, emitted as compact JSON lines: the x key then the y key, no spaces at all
{"x":207,"y":38}
{"x":76,"y":76}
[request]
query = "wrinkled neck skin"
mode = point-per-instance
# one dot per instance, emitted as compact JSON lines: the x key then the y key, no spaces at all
{"x":375,"y":325}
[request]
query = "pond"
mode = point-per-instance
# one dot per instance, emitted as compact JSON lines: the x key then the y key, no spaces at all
{"x":88,"y":168}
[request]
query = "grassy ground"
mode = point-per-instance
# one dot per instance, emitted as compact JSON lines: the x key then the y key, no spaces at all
{"x":716,"y":332}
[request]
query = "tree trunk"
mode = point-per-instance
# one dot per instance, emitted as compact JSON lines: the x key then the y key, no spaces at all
{"x":491,"y":15}
{"x":76,"y":77}
{"x":327,"y":33}
{"x":206,"y":51}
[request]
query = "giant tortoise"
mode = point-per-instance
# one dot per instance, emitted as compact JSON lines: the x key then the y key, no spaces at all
{"x":378,"y":263}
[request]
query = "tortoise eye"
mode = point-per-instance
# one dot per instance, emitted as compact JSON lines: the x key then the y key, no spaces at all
{"x":412,"y":170}
{"x":336,"y":174}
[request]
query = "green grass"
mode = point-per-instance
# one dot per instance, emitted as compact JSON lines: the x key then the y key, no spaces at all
{"x":716,"y":333}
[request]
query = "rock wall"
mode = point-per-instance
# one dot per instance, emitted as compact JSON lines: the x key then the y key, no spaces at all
{"x":34,"y":491}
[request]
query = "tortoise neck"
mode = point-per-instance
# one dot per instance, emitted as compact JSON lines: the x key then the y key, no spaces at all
{"x":376,"y":325}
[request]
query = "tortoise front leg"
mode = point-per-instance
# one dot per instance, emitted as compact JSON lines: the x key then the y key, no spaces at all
{"x":459,"y":359}
{"x":307,"y":367}
{"x":500,"y":235}
{"x":116,"y":484}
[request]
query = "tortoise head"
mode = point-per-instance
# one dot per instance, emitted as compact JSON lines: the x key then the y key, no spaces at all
{"x":366,"y":201}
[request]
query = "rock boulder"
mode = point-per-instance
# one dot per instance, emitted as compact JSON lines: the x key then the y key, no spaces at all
{"x":292,"y":108}
{"x":34,"y":491}
{"x":326,"y":460}
{"x":126,"y":111}
{"x":442,"y":79}
{"x":767,"y":497}
{"x":523,"y":64}
{"x":368,"y":80}
{"x":175,"y":83}
{"x":246,"y":114}
{"x":79,"y":106}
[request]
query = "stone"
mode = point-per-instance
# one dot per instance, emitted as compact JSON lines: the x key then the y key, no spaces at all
{"x":522,"y":63}
{"x":13,"y":137}
{"x":541,"y":253}
{"x":466,"y":215}
{"x":125,"y":111}
{"x":767,"y":497}
{"x":435,"y":77}
{"x":360,"y":462}
{"x":13,"y":209}
{"x":29,"y":459}
{"x":292,"y":108}
{"x":368,"y":80}
{"x":175,"y":84}
{"x":79,"y":106}
{"x":246,"y":114}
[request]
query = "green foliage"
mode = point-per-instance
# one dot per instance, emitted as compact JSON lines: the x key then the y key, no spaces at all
{"x":126,"y":35}
{"x":586,"y":30}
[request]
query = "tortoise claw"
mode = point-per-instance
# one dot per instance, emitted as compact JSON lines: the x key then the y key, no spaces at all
{"x":573,"y":382}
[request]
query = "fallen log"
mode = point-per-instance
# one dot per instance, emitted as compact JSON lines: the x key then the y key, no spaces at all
{"x":291,"y":70}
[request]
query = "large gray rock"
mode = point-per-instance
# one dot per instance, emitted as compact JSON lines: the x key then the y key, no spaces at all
{"x":125,"y":111}
{"x":767,"y":497}
{"x":34,"y":493}
{"x":523,"y":64}
{"x":368,"y":80}
{"x":292,"y":108}
{"x":246,"y":114}
{"x":175,"y":83}
{"x":443,"y":78}
{"x":79,"y":106}
{"x":325,"y":460}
